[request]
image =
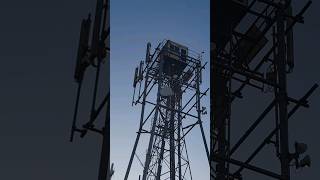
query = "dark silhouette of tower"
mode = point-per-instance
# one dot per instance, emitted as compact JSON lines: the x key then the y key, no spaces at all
{"x":259,"y":56}
{"x":92,"y":56}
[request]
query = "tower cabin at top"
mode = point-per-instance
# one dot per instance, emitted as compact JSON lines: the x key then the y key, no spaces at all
{"x":174,"y":57}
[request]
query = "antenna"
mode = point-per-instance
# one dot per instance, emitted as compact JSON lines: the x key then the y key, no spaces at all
{"x":82,"y":57}
{"x":91,"y":57}
{"x":96,"y":36}
{"x":168,"y":72}
{"x":239,"y":59}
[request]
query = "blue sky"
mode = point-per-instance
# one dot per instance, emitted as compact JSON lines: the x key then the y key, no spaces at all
{"x":133,"y":24}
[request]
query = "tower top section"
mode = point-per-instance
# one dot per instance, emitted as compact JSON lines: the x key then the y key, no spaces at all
{"x":174,"y":57}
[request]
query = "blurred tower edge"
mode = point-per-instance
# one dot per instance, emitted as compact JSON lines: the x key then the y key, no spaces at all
{"x":232,"y":54}
{"x":93,"y":56}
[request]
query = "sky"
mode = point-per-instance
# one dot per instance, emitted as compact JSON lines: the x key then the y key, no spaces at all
{"x":39,"y":40}
{"x":132,"y":26}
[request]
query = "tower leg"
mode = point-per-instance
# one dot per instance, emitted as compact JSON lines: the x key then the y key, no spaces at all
{"x":282,"y":97}
{"x":172,"y":144}
{"x":148,"y":156}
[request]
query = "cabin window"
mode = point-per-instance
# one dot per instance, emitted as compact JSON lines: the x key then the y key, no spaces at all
{"x":176,"y":49}
{"x":172,"y":47}
{"x":183,"y":52}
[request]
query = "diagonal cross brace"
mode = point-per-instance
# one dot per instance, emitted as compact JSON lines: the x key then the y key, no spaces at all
{"x":272,"y":133}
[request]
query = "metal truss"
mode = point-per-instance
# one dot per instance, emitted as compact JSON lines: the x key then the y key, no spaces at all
{"x":94,"y":56}
{"x":260,"y":57}
{"x":171,"y":117}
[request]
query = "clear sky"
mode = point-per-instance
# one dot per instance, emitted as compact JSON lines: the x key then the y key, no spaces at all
{"x":133,"y":24}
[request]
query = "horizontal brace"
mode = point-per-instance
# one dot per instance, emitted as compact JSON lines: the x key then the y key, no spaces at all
{"x":248,"y":75}
{"x":94,"y":130}
{"x":172,"y":109}
{"x":259,"y":15}
{"x":303,"y":103}
{"x":266,"y":140}
{"x":249,"y":83}
{"x":94,"y":114}
{"x":191,"y":125}
{"x":190,"y":128}
{"x":84,"y":131}
{"x":270,"y":3}
{"x":248,"y":166}
{"x":78,"y":130}
{"x":143,"y":131}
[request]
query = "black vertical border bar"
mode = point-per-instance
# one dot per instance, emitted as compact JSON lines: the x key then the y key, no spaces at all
{"x":212,"y":40}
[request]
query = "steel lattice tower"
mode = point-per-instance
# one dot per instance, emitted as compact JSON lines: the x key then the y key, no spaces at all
{"x":171,"y":72}
{"x":252,"y":46}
